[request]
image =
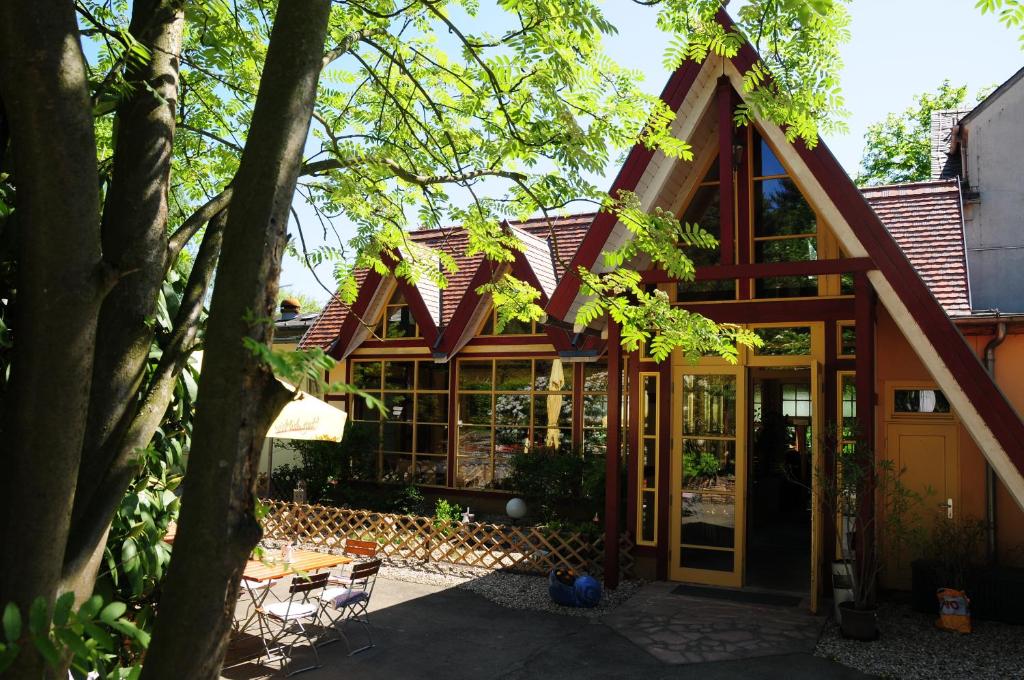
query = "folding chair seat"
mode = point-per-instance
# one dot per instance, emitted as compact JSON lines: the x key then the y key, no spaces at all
{"x":351,"y":603}
{"x":360,"y":550}
{"x":283,"y":624}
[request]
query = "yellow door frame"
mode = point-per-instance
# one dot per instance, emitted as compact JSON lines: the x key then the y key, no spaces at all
{"x":747,"y":358}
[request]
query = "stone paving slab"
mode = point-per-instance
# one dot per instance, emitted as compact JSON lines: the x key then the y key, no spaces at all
{"x":679,"y":629}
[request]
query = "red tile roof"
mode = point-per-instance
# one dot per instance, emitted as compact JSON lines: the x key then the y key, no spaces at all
{"x":566,"y":232}
{"x":926,"y":220}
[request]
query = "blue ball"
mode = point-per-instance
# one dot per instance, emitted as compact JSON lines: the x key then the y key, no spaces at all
{"x":588,"y":591}
{"x":561,"y":593}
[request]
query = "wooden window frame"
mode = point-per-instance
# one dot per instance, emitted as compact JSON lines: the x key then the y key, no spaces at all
{"x":643,"y":437}
{"x":890,"y":401}
{"x":840,"y":325}
{"x":532,"y":393}
{"x":416,"y":391}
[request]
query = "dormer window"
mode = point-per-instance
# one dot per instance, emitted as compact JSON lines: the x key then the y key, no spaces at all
{"x":512,"y":326}
{"x":397,"y":320}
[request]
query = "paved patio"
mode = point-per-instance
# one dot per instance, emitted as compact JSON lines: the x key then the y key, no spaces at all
{"x":427,"y":632}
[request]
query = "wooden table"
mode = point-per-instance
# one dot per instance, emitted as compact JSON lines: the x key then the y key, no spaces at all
{"x":259,"y":575}
{"x":303,"y":562}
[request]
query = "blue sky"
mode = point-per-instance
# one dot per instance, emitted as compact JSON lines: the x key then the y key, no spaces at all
{"x":899,"y":48}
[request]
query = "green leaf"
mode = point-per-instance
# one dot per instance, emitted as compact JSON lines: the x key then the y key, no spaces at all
{"x":8,"y":653}
{"x":113,"y":611}
{"x":89,"y":608}
{"x":47,"y":649}
{"x":39,"y":617}
{"x":12,"y":622}
{"x":73,"y":642}
{"x":63,"y":607}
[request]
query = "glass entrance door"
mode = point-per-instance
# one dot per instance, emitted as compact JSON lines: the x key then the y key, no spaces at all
{"x":708,"y":475}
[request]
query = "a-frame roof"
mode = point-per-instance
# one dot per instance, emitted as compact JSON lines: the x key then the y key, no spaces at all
{"x":984,"y":410}
{"x":448,"y":317}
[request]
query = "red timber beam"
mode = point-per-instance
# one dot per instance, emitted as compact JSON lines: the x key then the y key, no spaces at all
{"x":766,"y":270}
{"x":864,"y":315}
{"x":612,"y":486}
{"x":775,"y":311}
{"x":353,"y":320}
{"x":726,"y":176}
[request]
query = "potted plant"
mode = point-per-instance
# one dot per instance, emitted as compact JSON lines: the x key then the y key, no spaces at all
{"x":882,"y":524}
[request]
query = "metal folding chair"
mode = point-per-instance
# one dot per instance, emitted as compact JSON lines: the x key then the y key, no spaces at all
{"x":293,"y":619}
{"x":361,"y":551}
{"x":351,"y":603}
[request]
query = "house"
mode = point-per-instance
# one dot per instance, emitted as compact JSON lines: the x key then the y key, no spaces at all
{"x":862,"y":301}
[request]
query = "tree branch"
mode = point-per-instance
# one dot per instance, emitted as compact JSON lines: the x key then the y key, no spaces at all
{"x":195,"y":222}
{"x":321,"y":167}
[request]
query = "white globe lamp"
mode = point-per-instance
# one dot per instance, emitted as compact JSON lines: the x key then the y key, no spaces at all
{"x":516,"y":508}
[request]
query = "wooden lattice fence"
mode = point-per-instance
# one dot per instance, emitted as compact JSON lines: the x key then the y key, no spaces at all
{"x":525,"y":549}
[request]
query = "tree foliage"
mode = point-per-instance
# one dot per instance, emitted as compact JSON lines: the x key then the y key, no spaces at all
{"x":898,"y":149}
{"x":130,"y":152}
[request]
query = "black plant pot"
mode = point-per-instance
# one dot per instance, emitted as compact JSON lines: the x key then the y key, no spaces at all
{"x":858,"y":624}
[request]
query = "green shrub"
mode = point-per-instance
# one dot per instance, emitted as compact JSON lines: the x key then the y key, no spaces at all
{"x":558,"y":483}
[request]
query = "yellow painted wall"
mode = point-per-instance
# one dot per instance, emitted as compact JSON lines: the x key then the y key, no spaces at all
{"x":897,"y":360}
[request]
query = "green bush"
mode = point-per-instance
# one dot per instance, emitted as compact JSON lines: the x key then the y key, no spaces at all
{"x":559,"y":484}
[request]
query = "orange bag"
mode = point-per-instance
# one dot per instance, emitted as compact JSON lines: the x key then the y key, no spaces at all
{"x":954,"y":610}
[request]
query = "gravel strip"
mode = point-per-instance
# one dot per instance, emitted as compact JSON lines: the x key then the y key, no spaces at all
{"x":912,"y":647}
{"x":519,"y":591}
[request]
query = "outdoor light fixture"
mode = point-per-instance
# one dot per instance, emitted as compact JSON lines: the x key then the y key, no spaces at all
{"x":737,"y":155}
{"x":516,"y":508}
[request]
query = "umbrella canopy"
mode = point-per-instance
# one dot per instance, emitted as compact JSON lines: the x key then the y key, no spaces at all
{"x":306,"y":417}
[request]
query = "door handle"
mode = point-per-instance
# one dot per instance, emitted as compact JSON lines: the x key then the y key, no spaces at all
{"x":948,"y":505}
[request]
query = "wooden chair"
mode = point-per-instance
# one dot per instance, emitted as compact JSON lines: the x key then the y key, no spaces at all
{"x":360,"y":551}
{"x":351,"y":603}
{"x":293,"y":619}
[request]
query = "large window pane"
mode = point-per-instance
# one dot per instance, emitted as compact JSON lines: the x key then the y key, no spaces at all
{"x":475,"y":375}
{"x":475,"y":409}
{"x":595,"y":377}
{"x":705,"y":211}
{"x":780,"y":209}
{"x":595,"y":441}
{"x":709,"y":404}
{"x":512,"y":375}
{"x":398,"y":407}
{"x":787,"y":286}
{"x":709,"y":519}
{"x":397,"y":468}
{"x":650,"y":460}
{"x":595,"y":410}
{"x":711,"y":560}
{"x":766,"y":163}
{"x":432,"y":408}
{"x":400,"y":323}
{"x":709,"y":464}
{"x":366,"y":375}
{"x":398,"y":375}
{"x":787,"y":250}
{"x":432,"y":439}
{"x":702,"y":291}
{"x":511,"y":440}
{"x":396,"y":437}
{"x":433,"y":376}
{"x":363,"y":411}
{"x":431,"y":470}
{"x":784,"y":341}
{"x":552,"y":410}
{"x":553,"y":375}
{"x":512,"y":409}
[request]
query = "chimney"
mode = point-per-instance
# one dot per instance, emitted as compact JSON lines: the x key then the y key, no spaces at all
{"x":290,"y":308}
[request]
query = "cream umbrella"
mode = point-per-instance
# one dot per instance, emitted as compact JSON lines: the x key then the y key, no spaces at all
{"x":556,"y":382}
{"x":304,"y":417}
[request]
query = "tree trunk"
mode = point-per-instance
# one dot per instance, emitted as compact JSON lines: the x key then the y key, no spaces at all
{"x":60,"y":286}
{"x":134,"y":233}
{"x":86,"y":544}
{"x":238,"y":395}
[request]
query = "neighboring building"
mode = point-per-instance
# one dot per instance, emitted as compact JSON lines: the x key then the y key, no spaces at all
{"x":292,"y":324}
{"x":983,"y":149}
{"x":853,"y":335}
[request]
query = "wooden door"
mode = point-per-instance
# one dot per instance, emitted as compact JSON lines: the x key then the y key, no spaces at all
{"x":928,"y":455}
{"x":708,"y":480}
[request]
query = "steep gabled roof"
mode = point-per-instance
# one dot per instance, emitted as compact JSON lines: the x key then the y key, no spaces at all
{"x":926,"y":220}
{"x":984,"y":410}
{"x":548,"y":247}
